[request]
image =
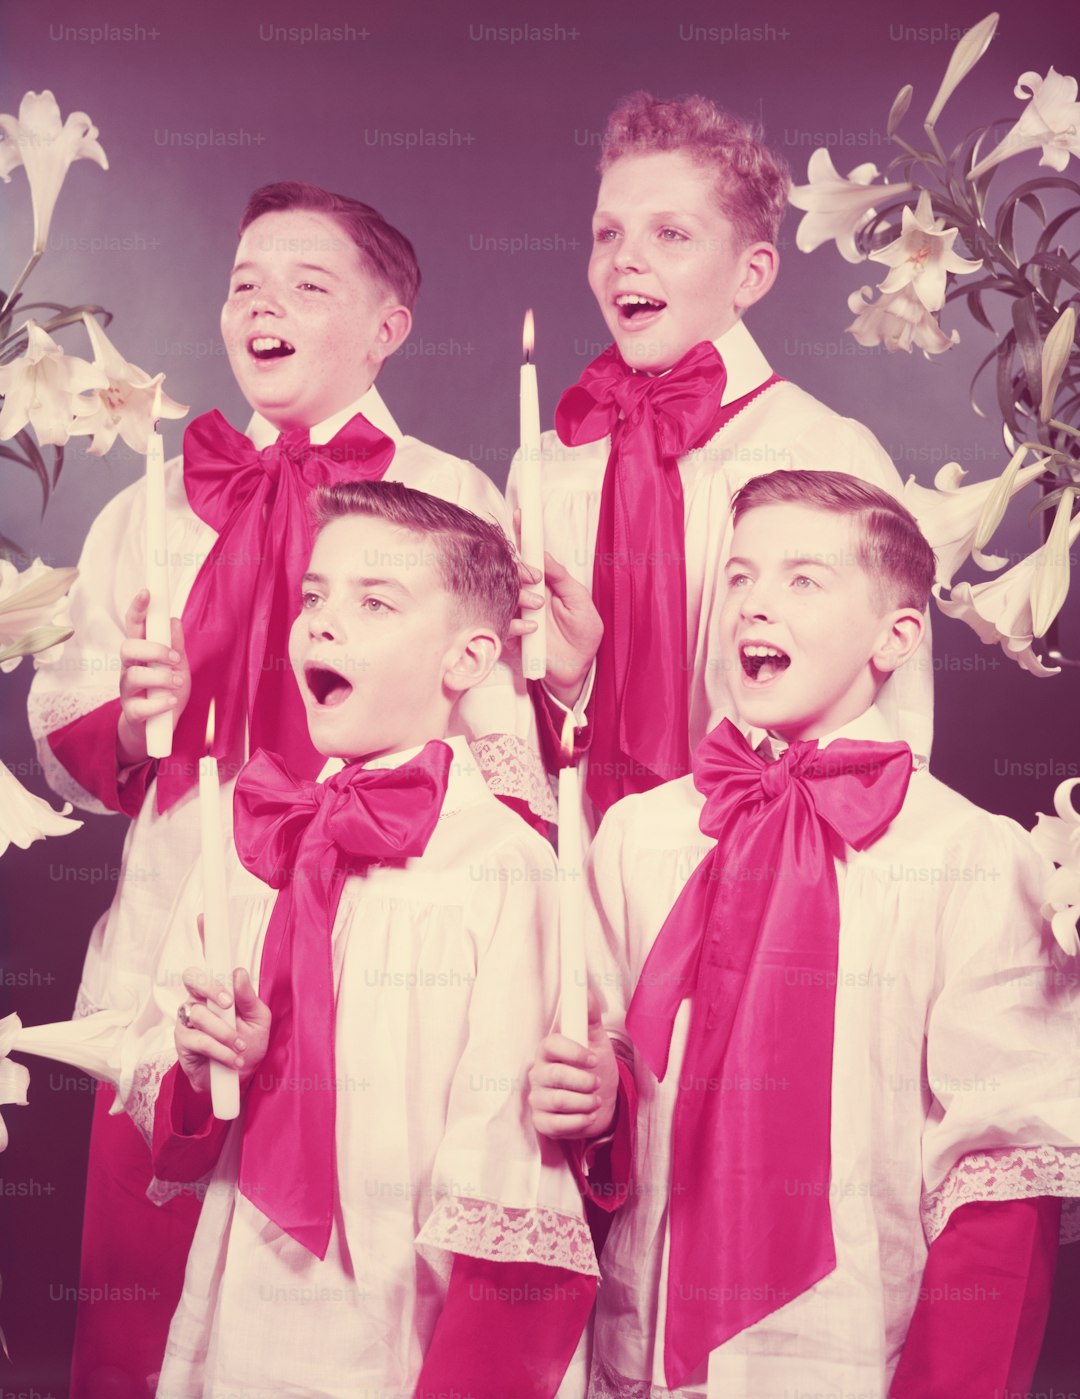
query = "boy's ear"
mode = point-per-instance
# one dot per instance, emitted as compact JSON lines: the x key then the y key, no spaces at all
{"x":393,"y":330}
{"x":901,"y":633}
{"x":760,"y":264}
{"x":470,"y":660}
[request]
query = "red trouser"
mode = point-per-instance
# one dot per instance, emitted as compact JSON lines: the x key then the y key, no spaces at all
{"x":133,"y":1259}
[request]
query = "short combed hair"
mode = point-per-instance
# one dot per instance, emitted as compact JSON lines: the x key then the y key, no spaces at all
{"x":752,"y":182}
{"x":475,"y":562}
{"x":891,"y":548}
{"x":385,"y":252}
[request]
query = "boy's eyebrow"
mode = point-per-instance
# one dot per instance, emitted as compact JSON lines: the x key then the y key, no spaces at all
{"x":799,"y":562}
{"x":357,"y":584}
{"x":300,"y":267}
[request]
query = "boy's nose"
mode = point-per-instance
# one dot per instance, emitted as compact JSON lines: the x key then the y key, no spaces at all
{"x":265,"y":301}
{"x":630,"y":256}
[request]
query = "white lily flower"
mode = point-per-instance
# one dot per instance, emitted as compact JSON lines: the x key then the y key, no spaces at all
{"x":898,"y":320}
{"x":92,"y":1043}
{"x":1052,"y":580}
{"x":951,"y":515}
{"x":42,"y":388}
{"x":126,"y":406}
{"x":33,"y":603}
{"x":1051,"y":120}
{"x":922,"y":257}
{"x":14,"y":1078}
{"x":1001,"y":492}
{"x":1000,"y":609}
{"x":837,"y":206}
{"x":25,"y":818}
{"x":1057,"y":838}
{"x":1057,"y":347}
{"x":37,"y":140}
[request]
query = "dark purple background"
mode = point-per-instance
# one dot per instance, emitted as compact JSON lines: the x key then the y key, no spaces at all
{"x":198,"y":103}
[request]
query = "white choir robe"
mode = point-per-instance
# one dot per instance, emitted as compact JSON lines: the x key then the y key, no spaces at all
{"x":446,"y":970}
{"x":957,"y":1028}
{"x":160,"y":849}
{"x":783,"y":429}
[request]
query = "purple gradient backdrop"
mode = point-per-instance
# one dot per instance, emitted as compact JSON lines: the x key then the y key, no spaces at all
{"x":483,"y":150}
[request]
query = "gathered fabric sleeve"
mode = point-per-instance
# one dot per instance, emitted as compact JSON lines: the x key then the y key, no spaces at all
{"x":500,"y":1192}
{"x":74,"y":705}
{"x":985,"y":1296}
{"x":1002,"y":1036}
{"x":176,"y":1122}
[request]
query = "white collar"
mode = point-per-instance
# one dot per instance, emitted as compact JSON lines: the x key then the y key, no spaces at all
{"x":465,"y":784}
{"x":370,"y":404}
{"x":747,"y":368}
{"x":869,"y":726}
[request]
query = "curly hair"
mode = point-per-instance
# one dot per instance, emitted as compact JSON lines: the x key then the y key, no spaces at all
{"x":752,"y":182}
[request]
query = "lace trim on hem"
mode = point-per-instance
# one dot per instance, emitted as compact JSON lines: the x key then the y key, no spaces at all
{"x":502,"y":1234}
{"x":1010,"y":1173}
{"x":49,"y":712}
{"x":512,"y":769}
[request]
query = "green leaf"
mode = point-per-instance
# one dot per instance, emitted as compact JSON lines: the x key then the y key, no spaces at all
{"x":1058,"y":264}
{"x":1054,"y":227}
{"x":58,"y":463}
{"x":974,"y":380}
{"x":1032,"y":202}
{"x":1029,"y":343}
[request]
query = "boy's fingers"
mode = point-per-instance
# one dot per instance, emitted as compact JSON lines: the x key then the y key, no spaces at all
{"x":201,"y":1045}
{"x":560,"y":1049}
{"x":202,"y":986}
{"x":135,"y":617}
{"x":554,"y":1075}
{"x":248,"y":1004}
{"x":176,"y":635}
{"x":203,"y":1024}
{"x":571,"y":1126}
{"x":141,"y":676}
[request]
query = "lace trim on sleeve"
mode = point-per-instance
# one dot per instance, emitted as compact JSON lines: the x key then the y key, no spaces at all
{"x":145,"y":1087}
{"x":485,"y":1229}
{"x":49,"y":712}
{"x":1012,"y":1173}
{"x":512,"y":769}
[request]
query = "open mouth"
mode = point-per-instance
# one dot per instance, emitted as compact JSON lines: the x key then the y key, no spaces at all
{"x":269,"y":347}
{"x":762,"y":663}
{"x":328,"y":687}
{"x":633,"y":306}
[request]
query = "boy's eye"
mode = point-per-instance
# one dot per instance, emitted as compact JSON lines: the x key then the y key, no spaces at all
{"x":672,"y":235}
{"x":374,"y":604}
{"x":309,"y":601}
{"x":604,"y":235}
{"x":310,"y":286}
{"x":802,"y":582}
{"x":242,"y":286}
{"x":737,"y":580}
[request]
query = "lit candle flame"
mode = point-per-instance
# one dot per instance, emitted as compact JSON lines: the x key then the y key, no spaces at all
{"x":528,"y":336}
{"x":155,"y":412}
{"x":210,"y":727}
{"x":566,"y":740}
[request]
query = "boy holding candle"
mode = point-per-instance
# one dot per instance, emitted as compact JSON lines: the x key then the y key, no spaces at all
{"x":663,"y":428}
{"x":856,"y":1038}
{"x":320,"y":296}
{"x":382,"y":1219}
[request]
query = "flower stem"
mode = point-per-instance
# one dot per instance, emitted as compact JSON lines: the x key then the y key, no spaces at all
{"x":13,"y":293}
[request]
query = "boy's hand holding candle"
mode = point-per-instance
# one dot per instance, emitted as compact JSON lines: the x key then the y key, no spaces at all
{"x":154,"y":679}
{"x":573,"y":1087}
{"x":573,"y":625}
{"x":204,"y":1038}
